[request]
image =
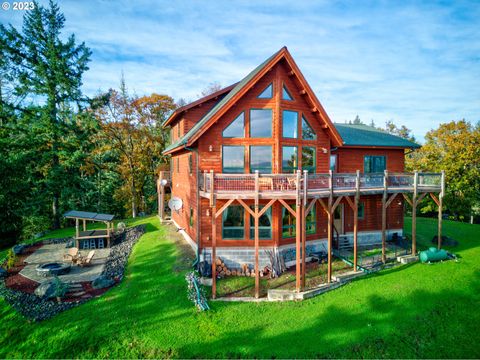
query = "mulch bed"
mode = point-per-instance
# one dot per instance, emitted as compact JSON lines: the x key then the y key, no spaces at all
{"x":18,"y":282}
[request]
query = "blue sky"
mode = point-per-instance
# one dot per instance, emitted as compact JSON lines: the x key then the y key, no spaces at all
{"x":416,"y":63}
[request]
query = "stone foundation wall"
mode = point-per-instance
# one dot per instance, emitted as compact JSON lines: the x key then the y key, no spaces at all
{"x":234,"y":257}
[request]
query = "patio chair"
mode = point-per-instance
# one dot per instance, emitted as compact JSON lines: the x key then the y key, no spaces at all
{"x":265,"y":183}
{"x":71,"y":254}
{"x":292,"y":183}
{"x":87,"y":260}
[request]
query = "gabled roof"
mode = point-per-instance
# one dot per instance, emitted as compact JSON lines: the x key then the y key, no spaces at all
{"x":200,"y":101}
{"x":364,"y":135}
{"x":240,"y":89}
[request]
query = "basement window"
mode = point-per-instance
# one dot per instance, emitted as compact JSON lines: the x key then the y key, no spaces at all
{"x":233,"y":222}
{"x":190,"y":164}
{"x":264,"y":224}
{"x":267,"y":93}
{"x":236,"y":129}
{"x":191,"y":217}
{"x":361,"y":211}
{"x":289,"y":223}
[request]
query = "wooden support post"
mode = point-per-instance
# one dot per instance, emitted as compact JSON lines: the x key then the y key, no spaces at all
{"x":84,"y":225}
{"x":77,"y":232}
{"x":304,"y":229}
{"x":329,"y":228}
{"x":414,"y":213}
{"x":257,"y":237}
{"x":355,"y":222}
{"x":384,"y":216}
{"x":440,"y":210}
{"x":214,"y":252}
{"x":298,"y":233}
{"x":204,"y":180}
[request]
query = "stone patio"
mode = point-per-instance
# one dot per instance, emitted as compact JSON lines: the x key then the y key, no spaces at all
{"x":54,"y":253}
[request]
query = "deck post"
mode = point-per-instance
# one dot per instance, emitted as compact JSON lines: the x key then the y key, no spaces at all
{"x":214,"y":252}
{"x":257,"y":236}
{"x":161,"y":198}
{"x":384,"y":215}
{"x":204,"y":180}
{"x":355,"y":221}
{"x":84,"y":225}
{"x":414,"y":213}
{"x":212,"y":188}
{"x":440,"y":205}
{"x":298,"y":233}
{"x":304,"y":228}
{"x":77,"y":231}
{"x":329,"y":228}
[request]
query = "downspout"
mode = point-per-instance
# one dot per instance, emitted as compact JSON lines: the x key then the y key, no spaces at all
{"x":197,"y":259}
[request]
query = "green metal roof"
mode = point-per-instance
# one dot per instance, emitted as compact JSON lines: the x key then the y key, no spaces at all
{"x":184,"y":139}
{"x":364,"y":135}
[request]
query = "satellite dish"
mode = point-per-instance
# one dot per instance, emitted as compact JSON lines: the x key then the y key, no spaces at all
{"x":163,"y":182}
{"x":175,"y":204}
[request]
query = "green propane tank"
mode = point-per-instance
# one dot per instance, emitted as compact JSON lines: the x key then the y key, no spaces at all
{"x":433,"y":254}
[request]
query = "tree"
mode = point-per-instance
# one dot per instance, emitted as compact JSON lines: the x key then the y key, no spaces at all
{"x":401,"y":131}
{"x":211,"y":88}
{"x":357,"y":121}
{"x":48,"y":68}
{"x":131,"y":132}
{"x":455,"y":148}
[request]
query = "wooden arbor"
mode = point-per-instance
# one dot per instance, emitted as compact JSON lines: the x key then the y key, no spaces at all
{"x":329,"y":201}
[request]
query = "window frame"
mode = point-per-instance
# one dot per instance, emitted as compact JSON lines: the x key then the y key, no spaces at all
{"x":295,"y":168}
{"x":190,"y":164}
{"x":259,"y":96}
{"x":283,"y":123}
{"x":252,"y":223}
{"x":250,"y":123}
{"x":231,"y":122}
{"x":285,"y":90}
{"x":225,"y":213}
{"x":311,"y":128}
{"x":252,"y":169}
{"x":223,"y":159}
{"x":361,"y":205}
{"x":373,"y":163}
{"x":311,"y":169}
{"x":293,"y":226}
{"x":191,"y":221}
{"x":335,"y":168}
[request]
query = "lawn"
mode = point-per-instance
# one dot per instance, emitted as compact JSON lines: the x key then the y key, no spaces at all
{"x":414,"y":311}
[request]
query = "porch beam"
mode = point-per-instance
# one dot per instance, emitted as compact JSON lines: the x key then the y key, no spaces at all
{"x":329,"y":228}
{"x":440,"y":210}
{"x":384,"y":215}
{"x":337,"y":202}
{"x":257,"y":272}
{"x":214,"y":252}
{"x":407,"y":199}
{"x":390,"y":200}
{"x":266,"y":207}
{"x":414,"y":213}
{"x":310,"y":207}
{"x":222,"y":209}
{"x":247,"y":208}
{"x":322,"y":203}
{"x":298,"y":235}
{"x":288,"y":207}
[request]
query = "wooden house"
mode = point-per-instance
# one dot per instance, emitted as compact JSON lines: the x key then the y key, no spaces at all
{"x":259,"y":165}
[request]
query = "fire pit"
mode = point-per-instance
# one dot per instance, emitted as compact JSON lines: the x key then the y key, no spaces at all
{"x":52,"y":268}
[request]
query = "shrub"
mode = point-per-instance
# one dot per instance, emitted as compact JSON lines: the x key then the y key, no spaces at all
{"x":34,"y":224}
{"x":61,"y":288}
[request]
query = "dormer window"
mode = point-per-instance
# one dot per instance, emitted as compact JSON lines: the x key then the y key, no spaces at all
{"x":286,"y":94}
{"x":236,"y":129}
{"x":267,"y":93}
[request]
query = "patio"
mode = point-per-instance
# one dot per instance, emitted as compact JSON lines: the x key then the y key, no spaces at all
{"x":54,"y":253}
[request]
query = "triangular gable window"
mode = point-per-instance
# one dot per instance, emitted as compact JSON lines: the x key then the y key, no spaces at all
{"x":307,"y":131}
{"x":285,"y":94}
{"x":267,"y":93}
{"x":236,"y":129}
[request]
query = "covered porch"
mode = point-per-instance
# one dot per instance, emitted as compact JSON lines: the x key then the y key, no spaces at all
{"x":93,"y":238}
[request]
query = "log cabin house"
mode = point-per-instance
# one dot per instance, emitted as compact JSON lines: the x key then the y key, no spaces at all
{"x":260,"y":165}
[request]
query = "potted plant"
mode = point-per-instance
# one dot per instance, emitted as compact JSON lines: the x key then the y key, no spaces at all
{"x":61,"y":289}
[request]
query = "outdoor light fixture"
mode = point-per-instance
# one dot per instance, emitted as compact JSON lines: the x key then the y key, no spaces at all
{"x":210,"y":148}
{"x":208,"y":212}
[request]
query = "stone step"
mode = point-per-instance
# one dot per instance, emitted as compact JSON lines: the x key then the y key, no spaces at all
{"x":407,"y":259}
{"x":76,"y":294}
{"x":347,"y":276}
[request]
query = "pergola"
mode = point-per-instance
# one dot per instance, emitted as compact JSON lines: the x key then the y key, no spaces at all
{"x":85,"y":216}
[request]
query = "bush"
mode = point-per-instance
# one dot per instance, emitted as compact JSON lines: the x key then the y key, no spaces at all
{"x":34,"y":224}
{"x":61,"y":288}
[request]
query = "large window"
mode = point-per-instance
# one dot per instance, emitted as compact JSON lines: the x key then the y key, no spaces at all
{"x":289,"y":223}
{"x":261,"y":123}
{"x":261,"y":159}
{"x":264,"y":224}
{"x":289,"y":159}
{"x":233,"y":159}
{"x":233,"y":221}
{"x":308,"y":159}
{"x":267,"y":93}
{"x":307,"y":131}
{"x":290,"y":124}
{"x":333,"y":163}
{"x":236,"y":129}
{"x":374,"y":164}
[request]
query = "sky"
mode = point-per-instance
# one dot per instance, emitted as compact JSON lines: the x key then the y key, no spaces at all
{"x":415,"y":63}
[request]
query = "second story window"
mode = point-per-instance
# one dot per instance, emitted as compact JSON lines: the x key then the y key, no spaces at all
{"x":308,"y":159}
{"x":261,"y":159}
{"x":290,"y":124}
{"x":289,"y":159}
{"x":333,"y":163}
{"x":261,"y":123}
{"x":267,"y":93}
{"x":307,"y":131}
{"x":374,"y":164}
{"x":233,"y":159}
{"x":236,"y":129}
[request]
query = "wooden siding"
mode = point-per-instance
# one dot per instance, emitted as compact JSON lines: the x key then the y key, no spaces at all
{"x":350,"y":160}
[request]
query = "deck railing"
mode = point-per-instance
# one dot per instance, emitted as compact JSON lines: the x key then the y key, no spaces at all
{"x":245,"y":183}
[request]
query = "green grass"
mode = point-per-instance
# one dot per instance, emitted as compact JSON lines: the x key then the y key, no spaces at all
{"x":419,"y":310}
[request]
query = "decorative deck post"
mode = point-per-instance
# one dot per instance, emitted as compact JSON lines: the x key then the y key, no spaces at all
{"x":355,"y":221}
{"x":161,"y":198}
{"x":77,"y":232}
{"x":384,"y":215}
{"x":298,"y":232}
{"x":329,"y":228}
{"x":414,"y":213}
{"x":440,"y":204}
{"x":304,"y":228}
{"x":256,"y":218}
{"x":214,"y":252}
